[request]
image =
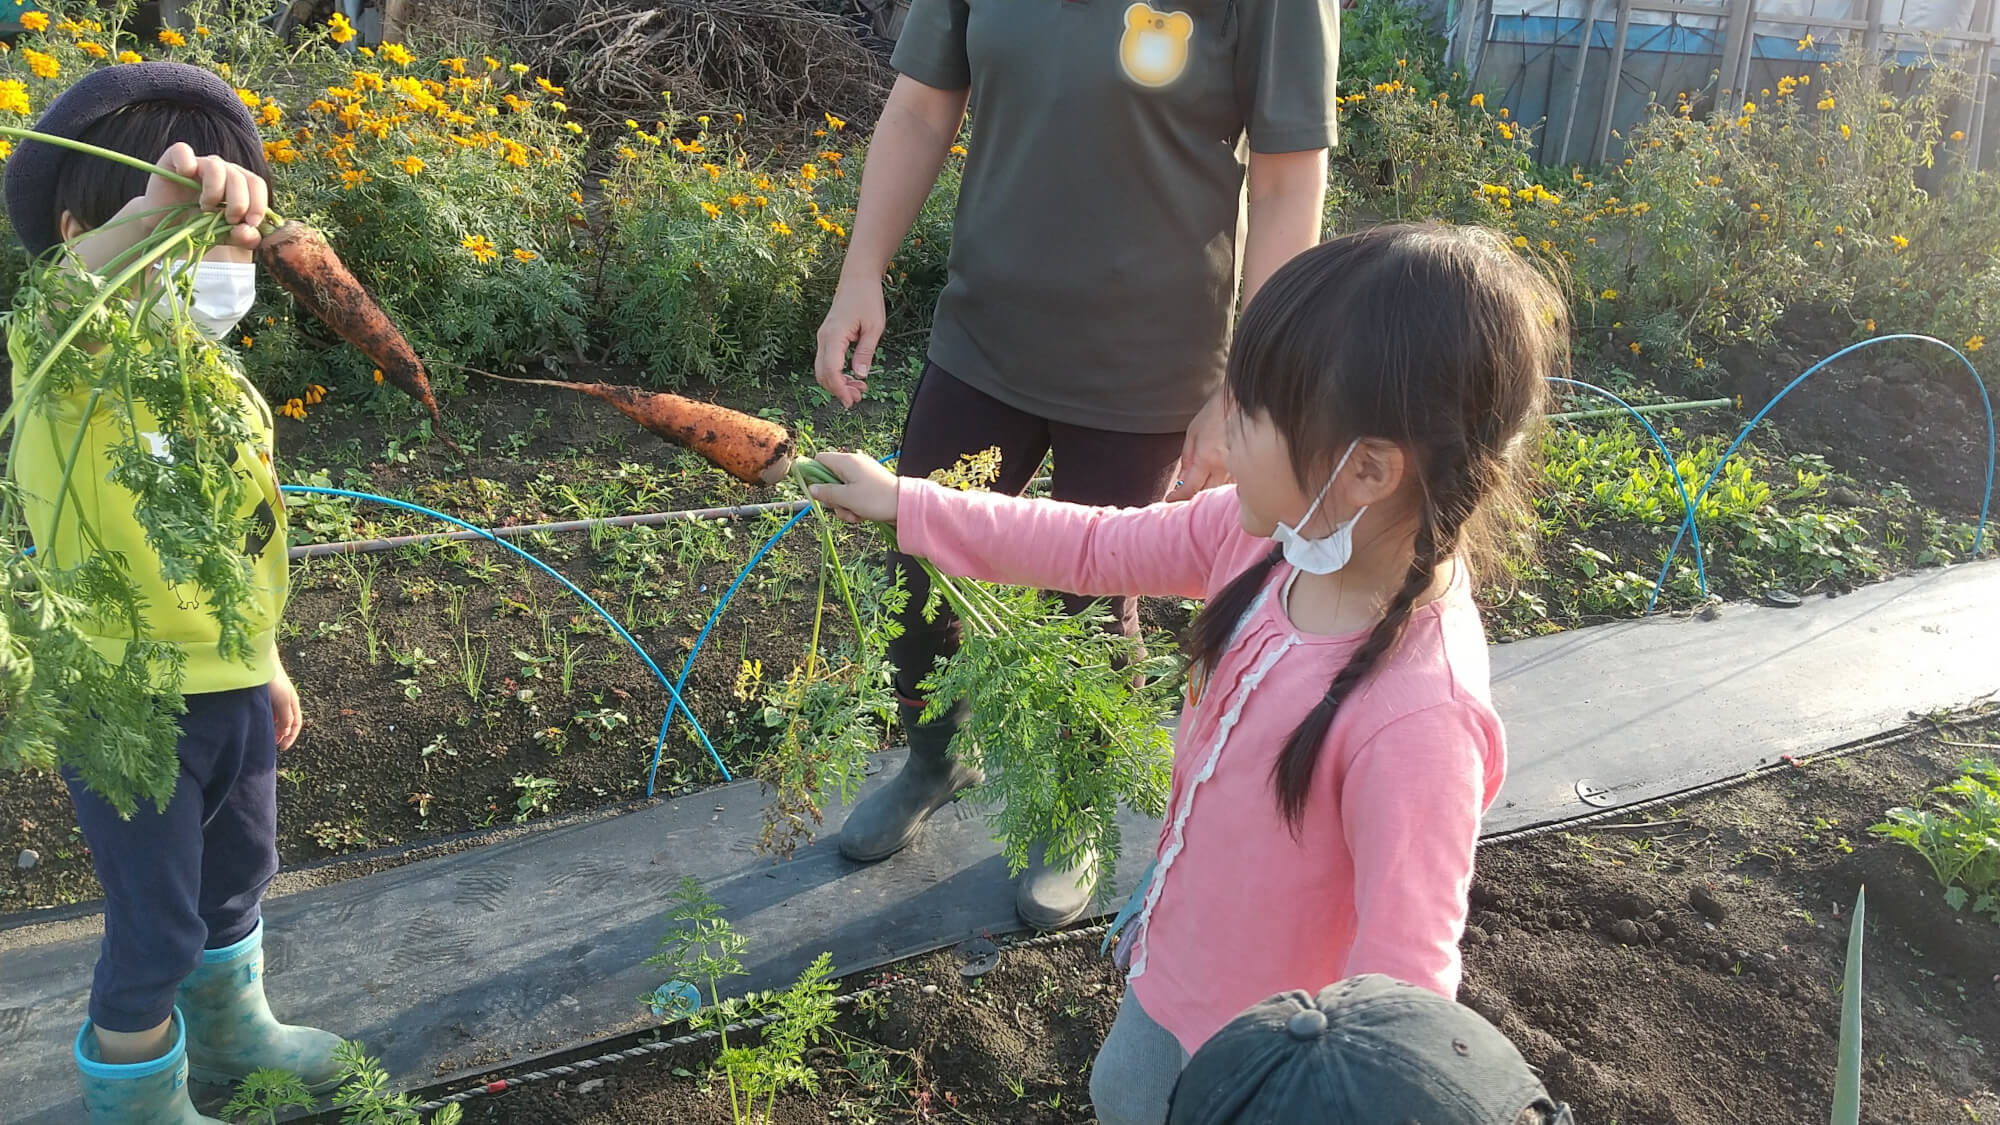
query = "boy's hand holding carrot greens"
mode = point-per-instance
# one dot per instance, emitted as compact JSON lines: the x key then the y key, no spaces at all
{"x":238,"y":194}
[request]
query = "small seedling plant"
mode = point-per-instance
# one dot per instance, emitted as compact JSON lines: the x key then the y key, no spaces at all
{"x":1959,"y":836}
{"x":1057,"y":721}
{"x":704,"y":949}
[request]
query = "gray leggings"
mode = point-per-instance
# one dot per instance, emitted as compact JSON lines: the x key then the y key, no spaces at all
{"x":1136,"y":1069}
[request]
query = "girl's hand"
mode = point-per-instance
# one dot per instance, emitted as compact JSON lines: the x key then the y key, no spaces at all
{"x":239,"y":195}
{"x":868,"y":491}
{"x":287,"y":716}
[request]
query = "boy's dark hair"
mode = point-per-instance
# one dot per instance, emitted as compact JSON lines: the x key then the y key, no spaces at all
{"x":93,"y":189}
{"x":1438,"y":339}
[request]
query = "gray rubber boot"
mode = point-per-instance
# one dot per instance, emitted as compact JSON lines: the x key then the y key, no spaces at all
{"x":1048,"y":897}
{"x":889,"y":819}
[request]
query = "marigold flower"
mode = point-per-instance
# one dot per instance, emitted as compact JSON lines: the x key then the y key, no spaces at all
{"x":1520,"y":242}
{"x":398,"y":54}
{"x":780,"y":228}
{"x":378,"y":376}
{"x":1901,"y":242}
{"x":1870,"y":326}
{"x":455,"y":65}
{"x":35,"y":21}
{"x":1975,"y":343}
{"x":1478,"y":101}
{"x":482,"y":251}
{"x":835,"y":123}
{"x":94,"y":50}
{"x":522,"y":254}
{"x":41,"y":65}
{"x":808,"y":173}
{"x":6,"y":149}
{"x":519,"y":68}
{"x":1845,"y":132}
{"x":714,"y":172}
{"x":1958,"y":134}
{"x":628,"y":152}
{"x":711,"y":210}
{"x":410,"y":165}
{"x":1634,"y":346}
{"x":338,"y":29}
{"x":130,"y":57}
{"x":1608,"y":295}
{"x":202,"y":32}
{"x":958,"y":150}
{"x":13,"y":96}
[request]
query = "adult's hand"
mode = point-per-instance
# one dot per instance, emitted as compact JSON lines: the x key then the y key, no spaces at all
{"x":855,"y":320}
{"x":1204,"y":455}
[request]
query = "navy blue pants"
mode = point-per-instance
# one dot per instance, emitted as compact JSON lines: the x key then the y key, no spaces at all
{"x":189,"y":878}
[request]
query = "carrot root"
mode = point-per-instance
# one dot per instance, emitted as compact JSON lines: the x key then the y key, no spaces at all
{"x":752,"y":450}
{"x":305,"y":265}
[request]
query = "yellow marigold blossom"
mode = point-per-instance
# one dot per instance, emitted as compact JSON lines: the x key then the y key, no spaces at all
{"x":41,"y":65}
{"x":1826,"y":103}
{"x":519,"y":68}
{"x":270,"y":115}
{"x":249,"y":98}
{"x":549,"y":87}
{"x":1870,"y":326}
{"x":365,"y":52}
{"x":94,"y":50}
{"x":455,"y":65}
{"x":1520,"y":242}
{"x":351,"y":177}
{"x":1958,"y":134}
{"x":573,"y":127}
{"x":1818,"y":245}
{"x":738,"y":201}
{"x":1845,"y":132}
{"x":1506,"y":130}
{"x":628,"y":152}
{"x":410,"y":165}
{"x":780,"y":228}
{"x":378,"y":376}
{"x":1634,"y":346}
{"x":523,"y":254}
{"x":1901,"y":242}
{"x":13,"y":96}
{"x":1975,"y":343}
{"x":280,"y":151}
{"x":1840,"y":230}
{"x":202,"y":32}
{"x":247,"y":341}
{"x":130,"y":57}
{"x":762,"y":202}
{"x":559,"y":107}
{"x":1806,"y":43}
{"x":491,"y":62}
{"x":35,"y":21}
{"x":835,"y":123}
{"x":830,"y":157}
{"x":711,"y":210}
{"x":1478,"y":101}
{"x":369,"y":80}
{"x":482,"y":252}
{"x":338,"y":29}
{"x":808,"y":173}
{"x":1608,"y":295}
{"x":1750,"y":108}
{"x":714,"y":171}
{"x":6,"y":149}
{"x":516,"y":154}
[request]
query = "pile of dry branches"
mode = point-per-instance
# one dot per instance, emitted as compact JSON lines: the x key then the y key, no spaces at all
{"x":774,"y":60}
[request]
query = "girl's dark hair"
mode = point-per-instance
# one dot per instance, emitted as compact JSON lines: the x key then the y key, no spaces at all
{"x":1438,"y":339}
{"x":93,"y":189}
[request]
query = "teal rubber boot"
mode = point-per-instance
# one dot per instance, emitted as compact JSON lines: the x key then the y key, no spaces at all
{"x":147,"y":1093}
{"x":889,"y":819}
{"x":230,"y":1029}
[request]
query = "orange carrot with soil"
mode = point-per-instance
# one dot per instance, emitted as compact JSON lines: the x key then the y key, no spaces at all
{"x":752,"y":450}
{"x":301,"y":261}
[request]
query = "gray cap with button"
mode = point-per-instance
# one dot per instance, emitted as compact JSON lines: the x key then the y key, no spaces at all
{"x":1366,"y":1051}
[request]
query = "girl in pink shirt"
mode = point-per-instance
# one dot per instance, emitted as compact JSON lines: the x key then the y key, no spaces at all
{"x":1339,"y":744}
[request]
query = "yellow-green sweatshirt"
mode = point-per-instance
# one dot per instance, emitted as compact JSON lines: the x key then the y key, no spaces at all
{"x":173,"y":615}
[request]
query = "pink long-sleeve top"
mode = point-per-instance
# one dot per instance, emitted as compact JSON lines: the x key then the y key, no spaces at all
{"x":1239,"y":908}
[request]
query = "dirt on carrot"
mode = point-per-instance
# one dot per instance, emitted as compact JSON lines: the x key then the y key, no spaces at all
{"x":302,"y":261}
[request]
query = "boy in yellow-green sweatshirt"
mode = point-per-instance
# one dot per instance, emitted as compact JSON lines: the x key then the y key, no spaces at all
{"x":179,"y":982}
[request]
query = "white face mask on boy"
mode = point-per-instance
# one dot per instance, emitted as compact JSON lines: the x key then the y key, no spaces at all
{"x":1330,"y":552}
{"x":223,"y":293}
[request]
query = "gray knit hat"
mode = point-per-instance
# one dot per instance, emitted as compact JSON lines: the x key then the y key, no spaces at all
{"x":32,"y":169}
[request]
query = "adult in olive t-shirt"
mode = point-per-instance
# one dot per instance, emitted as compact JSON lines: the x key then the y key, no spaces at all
{"x":1093,"y":272}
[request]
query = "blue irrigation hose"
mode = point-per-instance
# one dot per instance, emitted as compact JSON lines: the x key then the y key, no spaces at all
{"x":1673,"y":467}
{"x":1985,"y":504}
{"x":672,"y":690}
{"x":714,"y":616}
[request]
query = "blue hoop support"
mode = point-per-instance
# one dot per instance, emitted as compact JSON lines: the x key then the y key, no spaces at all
{"x":673,"y":690}
{"x":1985,"y":503}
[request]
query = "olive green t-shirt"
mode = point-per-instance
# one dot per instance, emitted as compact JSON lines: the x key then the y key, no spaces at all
{"x":1094,"y":252}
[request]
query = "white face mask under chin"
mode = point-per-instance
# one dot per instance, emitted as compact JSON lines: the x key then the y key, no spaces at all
{"x":222,"y":295}
{"x":1331,"y":551}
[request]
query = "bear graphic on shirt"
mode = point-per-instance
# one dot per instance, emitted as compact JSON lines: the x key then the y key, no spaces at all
{"x":1154,"y":48}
